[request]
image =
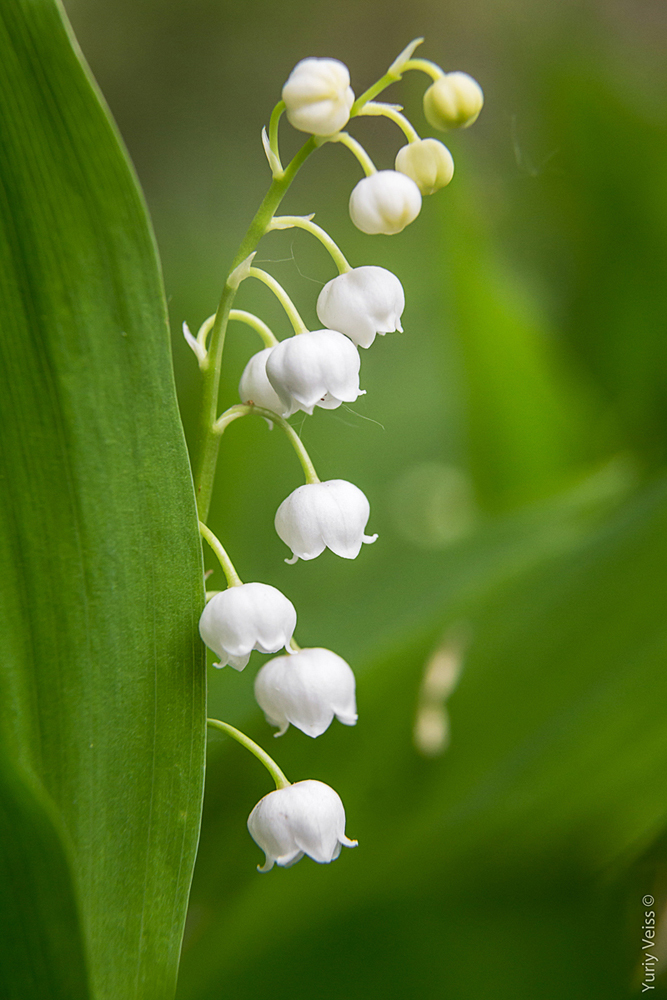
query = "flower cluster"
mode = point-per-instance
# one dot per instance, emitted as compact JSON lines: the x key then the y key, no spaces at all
{"x":307,"y":688}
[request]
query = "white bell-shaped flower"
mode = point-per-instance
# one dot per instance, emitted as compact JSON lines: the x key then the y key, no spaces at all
{"x":362,"y":302}
{"x":386,"y":202}
{"x":246,"y":617}
{"x":324,"y":515}
{"x":428,"y":162}
{"x":453,"y":101}
{"x":318,"y":96}
{"x":307,"y":689}
{"x":318,"y":368}
{"x":307,"y":817}
{"x":255,"y":387}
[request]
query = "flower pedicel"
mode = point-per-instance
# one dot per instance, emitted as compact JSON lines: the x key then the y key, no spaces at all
{"x":309,"y":687}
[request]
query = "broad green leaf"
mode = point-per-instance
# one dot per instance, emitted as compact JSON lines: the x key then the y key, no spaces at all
{"x":100,"y":565}
{"x":42,"y":946}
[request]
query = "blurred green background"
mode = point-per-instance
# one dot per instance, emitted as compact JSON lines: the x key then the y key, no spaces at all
{"x":512,"y":444}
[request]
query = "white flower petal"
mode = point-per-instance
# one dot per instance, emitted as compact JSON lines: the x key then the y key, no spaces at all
{"x":305,"y":818}
{"x":242,"y":618}
{"x":307,"y":690}
{"x":331,"y":515}
{"x":318,"y":96}
{"x":386,"y":202}
{"x":362,"y":302}
{"x":318,"y":368}
{"x":255,"y":387}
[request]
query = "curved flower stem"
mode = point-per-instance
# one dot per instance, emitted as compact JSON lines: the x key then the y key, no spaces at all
{"x":233,"y":579}
{"x":426,"y":66}
{"x":296,"y":442}
{"x":355,"y":147}
{"x":282,"y":296}
{"x":257,"y":324}
{"x":204,"y":330}
{"x":389,"y":111}
{"x":305,"y":222}
{"x":229,"y":416}
{"x":261,"y":755}
{"x":243,"y":409}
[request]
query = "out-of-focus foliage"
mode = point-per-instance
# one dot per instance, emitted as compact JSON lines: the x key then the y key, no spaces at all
{"x":519,"y":424}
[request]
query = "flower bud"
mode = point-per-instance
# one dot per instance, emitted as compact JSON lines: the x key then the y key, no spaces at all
{"x":324,"y":515}
{"x":307,"y":689}
{"x":318,"y":96}
{"x":453,"y":101}
{"x":307,"y":817}
{"x":386,"y":202}
{"x":319,"y":368}
{"x":255,"y":387}
{"x":428,"y":162}
{"x":246,"y":617}
{"x":362,"y":302}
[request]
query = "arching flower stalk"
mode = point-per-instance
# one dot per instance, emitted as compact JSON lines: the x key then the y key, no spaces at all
{"x":310,"y":369}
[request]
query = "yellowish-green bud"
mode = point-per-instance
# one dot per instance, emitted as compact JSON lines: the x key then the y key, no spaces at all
{"x":453,"y":101}
{"x":428,"y":162}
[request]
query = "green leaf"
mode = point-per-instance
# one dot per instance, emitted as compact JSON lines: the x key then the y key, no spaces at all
{"x":42,"y":944}
{"x":102,"y":690}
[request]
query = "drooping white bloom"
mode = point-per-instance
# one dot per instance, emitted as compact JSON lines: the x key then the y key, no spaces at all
{"x":453,"y":101}
{"x":255,"y":387}
{"x":318,"y":96}
{"x":428,"y":162}
{"x":362,"y":302}
{"x":324,"y":515}
{"x":246,"y":617}
{"x":318,"y":368}
{"x":386,"y":202}
{"x":307,"y":817}
{"x":307,"y":689}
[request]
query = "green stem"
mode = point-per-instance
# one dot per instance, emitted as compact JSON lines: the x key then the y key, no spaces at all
{"x":355,"y":147}
{"x":377,"y":88}
{"x":426,"y":66}
{"x":233,"y":579}
{"x":261,"y":755}
{"x":305,"y":222}
{"x":243,"y":409}
{"x":387,"y":111}
{"x":208,"y":441}
{"x":257,"y":324}
{"x":204,"y":331}
{"x":282,"y":296}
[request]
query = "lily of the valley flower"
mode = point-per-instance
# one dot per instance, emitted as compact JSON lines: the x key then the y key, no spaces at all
{"x":255,"y":387}
{"x":246,"y":617}
{"x":428,"y":162}
{"x":307,"y":817}
{"x":307,"y":690}
{"x":453,"y":101}
{"x":330,"y":515}
{"x":362,"y":302}
{"x":386,"y":202}
{"x":318,"y":368}
{"x":318,"y":96}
